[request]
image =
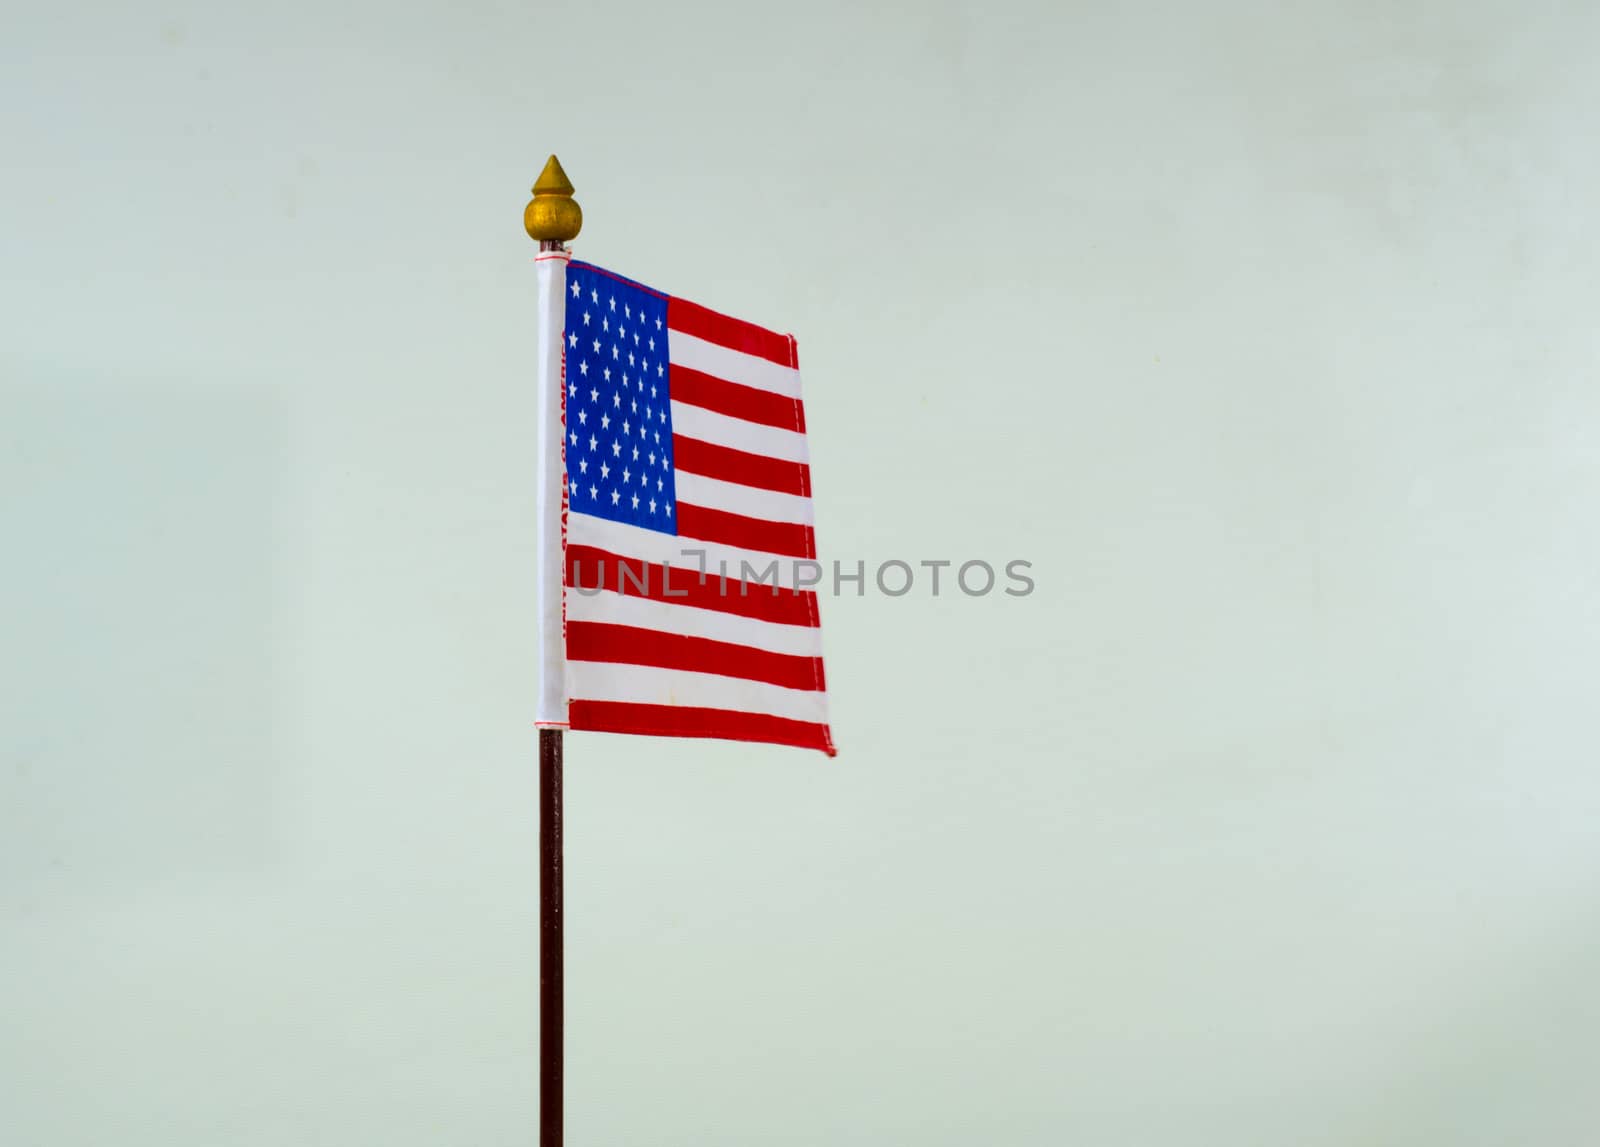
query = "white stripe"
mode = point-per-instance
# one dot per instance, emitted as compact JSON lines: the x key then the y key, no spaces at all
{"x":688,"y":621}
{"x":751,"y":437}
{"x":732,"y":365}
{"x":715,"y":494}
{"x":714,"y":558}
{"x":651,"y":685}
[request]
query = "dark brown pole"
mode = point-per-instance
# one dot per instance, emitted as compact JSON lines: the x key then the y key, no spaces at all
{"x":551,"y":1017}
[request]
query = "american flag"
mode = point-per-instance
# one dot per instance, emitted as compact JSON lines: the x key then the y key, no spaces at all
{"x":689,"y":550}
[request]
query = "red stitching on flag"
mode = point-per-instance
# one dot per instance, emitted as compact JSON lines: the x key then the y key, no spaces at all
{"x":624,"y":279}
{"x":810,"y":545}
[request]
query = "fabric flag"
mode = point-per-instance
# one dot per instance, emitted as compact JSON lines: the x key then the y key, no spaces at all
{"x":688,"y":554}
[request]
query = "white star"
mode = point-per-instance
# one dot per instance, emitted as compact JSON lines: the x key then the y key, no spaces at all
{"x":574,"y":437}
{"x":585,"y":318}
{"x":663,"y":417}
{"x":668,"y":509}
{"x":594,"y":295}
{"x":624,"y":379}
{"x":636,"y":406}
{"x":626,"y":312}
{"x":574,"y":489}
{"x":616,"y":399}
{"x":594,"y":395}
{"x":659,"y":485}
{"x":583,"y":367}
{"x":625,"y":426}
{"x":596,"y":346}
{"x":583,"y":465}
{"x":649,"y":413}
{"x":652,"y":505}
{"x":572,"y":339}
{"x":605,"y":422}
{"x":572,"y":389}
{"x":658,"y":437}
{"x":576,"y":290}
{"x":623,"y":333}
{"x":607,"y":373}
{"x":658,"y":369}
{"x":605,"y":323}
{"x":605,"y":471}
{"x":630,"y":358}
{"x":613,"y":352}
{"x":635,"y":453}
{"x":593,"y":442}
{"x":594,"y":491}
{"x":627,"y":475}
{"x":635,"y":338}
{"x":642,"y":430}
{"x":658,"y":324}
{"x":636,"y":501}
{"x":615,"y":497}
{"x":583,"y":417}
{"x":616,"y":449}
{"x":613,"y":302}
{"x":652,"y":457}
{"x":665,"y":465}
{"x":652,"y":392}
{"x":652,"y":341}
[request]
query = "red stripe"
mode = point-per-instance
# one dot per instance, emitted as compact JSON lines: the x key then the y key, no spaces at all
{"x":688,"y":585}
{"x":791,"y":539}
{"x":730,"y":465}
{"x":747,"y":402}
{"x":735,"y":334}
{"x":599,"y":641}
{"x":681,"y":721}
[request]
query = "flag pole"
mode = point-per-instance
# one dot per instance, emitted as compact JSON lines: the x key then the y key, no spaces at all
{"x":552,"y":1008}
{"x":552,"y":218}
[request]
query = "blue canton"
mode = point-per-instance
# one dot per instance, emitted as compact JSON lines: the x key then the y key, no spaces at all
{"x":619,"y":414}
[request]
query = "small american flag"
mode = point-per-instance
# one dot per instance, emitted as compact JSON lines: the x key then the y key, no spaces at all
{"x":689,"y":551}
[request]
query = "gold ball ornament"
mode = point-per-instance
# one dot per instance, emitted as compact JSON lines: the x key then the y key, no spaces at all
{"x":552,"y":215}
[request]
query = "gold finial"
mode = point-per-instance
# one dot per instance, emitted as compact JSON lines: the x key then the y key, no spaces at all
{"x":552,"y":215}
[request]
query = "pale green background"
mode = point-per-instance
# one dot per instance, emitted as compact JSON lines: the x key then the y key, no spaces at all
{"x":1265,"y":330}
